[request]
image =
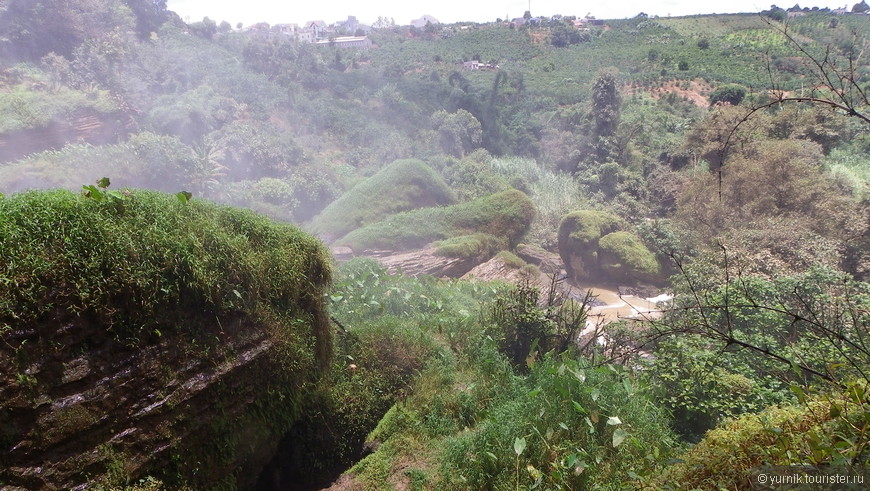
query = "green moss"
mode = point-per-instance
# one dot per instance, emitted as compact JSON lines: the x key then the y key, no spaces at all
{"x":470,"y":246}
{"x":150,"y":263}
{"x":587,"y":226}
{"x":63,"y":422}
{"x":401,"y":186}
{"x":623,"y":255}
{"x":579,"y":233}
{"x":506,"y":215}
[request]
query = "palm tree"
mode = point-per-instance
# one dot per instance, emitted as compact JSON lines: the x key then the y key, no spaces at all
{"x":209,"y":169}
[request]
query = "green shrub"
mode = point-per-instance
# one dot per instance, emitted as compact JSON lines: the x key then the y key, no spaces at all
{"x":25,"y":109}
{"x":567,"y":426}
{"x":472,"y":178}
{"x":554,"y":195}
{"x":269,"y":196}
{"x":396,"y":328}
{"x":505,"y":215}
{"x":146,"y":160}
{"x":401,"y":186}
{"x":729,"y":93}
{"x":511,"y":260}
{"x":822,"y":430}
{"x":702,"y":387}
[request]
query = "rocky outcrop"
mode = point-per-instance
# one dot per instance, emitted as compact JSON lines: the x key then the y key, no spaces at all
{"x":184,"y":352}
{"x":83,"y":127}
{"x":496,"y":269}
{"x":423,"y":262}
{"x":548,"y":262}
{"x":80,"y":403}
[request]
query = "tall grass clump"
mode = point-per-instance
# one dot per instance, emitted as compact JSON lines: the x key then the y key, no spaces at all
{"x":401,"y":186}
{"x":554,"y":194}
{"x":506,"y":215}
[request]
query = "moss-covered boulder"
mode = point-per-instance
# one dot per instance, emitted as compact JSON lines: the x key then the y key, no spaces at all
{"x":506,"y":216}
{"x":624,"y":257}
{"x":579,"y":235}
{"x":401,"y":186}
{"x":143,"y":334}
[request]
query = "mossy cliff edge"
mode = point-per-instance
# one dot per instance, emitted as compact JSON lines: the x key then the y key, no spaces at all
{"x":145,"y":334}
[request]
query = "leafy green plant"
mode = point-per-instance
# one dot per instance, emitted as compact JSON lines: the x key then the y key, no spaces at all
{"x":820,"y":430}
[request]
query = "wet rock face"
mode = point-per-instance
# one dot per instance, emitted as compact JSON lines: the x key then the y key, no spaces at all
{"x":424,"y":262}
{"x":78,"y":405}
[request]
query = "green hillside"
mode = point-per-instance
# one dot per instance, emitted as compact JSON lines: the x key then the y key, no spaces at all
{"x":720,"y":159}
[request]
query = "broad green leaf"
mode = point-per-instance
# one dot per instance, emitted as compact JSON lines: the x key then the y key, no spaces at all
{"x":116,"y":195}
{"x":519,"y":445}
{"x":183,"y":196}
{"x":103,"y":182}
{"x":92,"y":192}
{"x":619,"y":436}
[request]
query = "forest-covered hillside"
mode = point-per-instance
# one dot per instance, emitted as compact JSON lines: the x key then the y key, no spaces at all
{"x":721,"y":159}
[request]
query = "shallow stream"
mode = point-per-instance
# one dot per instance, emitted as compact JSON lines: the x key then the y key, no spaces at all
{"x":616,"y":307}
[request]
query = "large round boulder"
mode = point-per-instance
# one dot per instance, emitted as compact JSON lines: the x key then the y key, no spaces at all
{"x":579,"y":235}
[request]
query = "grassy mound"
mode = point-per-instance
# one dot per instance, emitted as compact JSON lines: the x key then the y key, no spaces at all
{"x":505,"y":215}
{"x":587,"y":226}
{"x":145,"y":261}
{"x":401,"y":186}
